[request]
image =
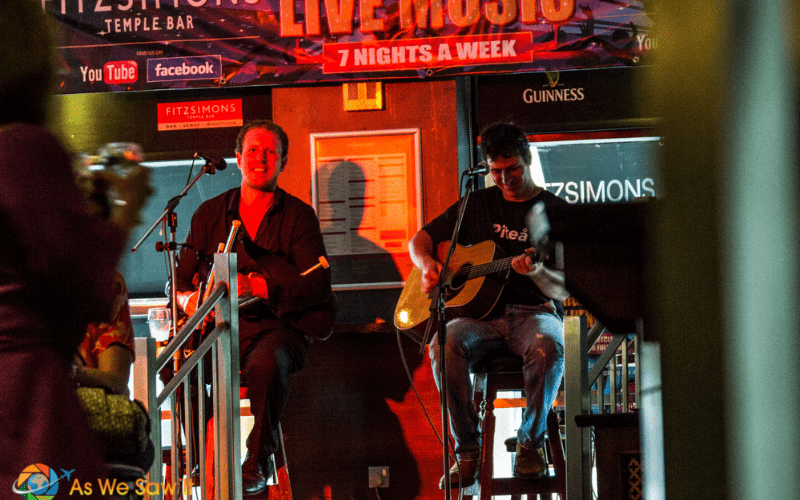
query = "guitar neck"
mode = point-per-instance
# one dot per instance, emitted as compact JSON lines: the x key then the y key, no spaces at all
{"x":487,"y":268}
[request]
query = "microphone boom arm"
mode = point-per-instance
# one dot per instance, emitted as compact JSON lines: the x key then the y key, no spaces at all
{"x":173,"y":203}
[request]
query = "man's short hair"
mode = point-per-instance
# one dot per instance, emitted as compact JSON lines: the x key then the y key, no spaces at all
{"x":505,"y":140}
{"x":269,"y":125}
{"x":27,"y":62}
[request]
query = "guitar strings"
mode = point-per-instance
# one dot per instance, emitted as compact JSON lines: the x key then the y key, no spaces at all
{"x":483,"y":269}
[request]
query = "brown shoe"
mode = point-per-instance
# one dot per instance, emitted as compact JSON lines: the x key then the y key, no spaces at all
{"x":470,"y":467}
{"x":530,"y":464}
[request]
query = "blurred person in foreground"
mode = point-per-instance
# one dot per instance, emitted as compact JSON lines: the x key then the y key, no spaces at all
{"x":57,"y":263}
{"x":527,"y":318}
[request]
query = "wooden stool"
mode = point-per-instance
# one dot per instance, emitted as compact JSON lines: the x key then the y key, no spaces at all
{"x":505,"y":374}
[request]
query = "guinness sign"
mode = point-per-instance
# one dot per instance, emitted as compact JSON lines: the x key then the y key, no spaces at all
{"x":563,"y":101}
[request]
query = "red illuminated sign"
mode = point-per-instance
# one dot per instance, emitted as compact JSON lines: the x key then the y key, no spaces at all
{"x":420,"y":53}
{"x":120,"y":72}
{"x":200,"y":114}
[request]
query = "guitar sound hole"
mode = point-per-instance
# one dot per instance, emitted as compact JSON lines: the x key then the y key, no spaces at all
{"x":460,"y":276}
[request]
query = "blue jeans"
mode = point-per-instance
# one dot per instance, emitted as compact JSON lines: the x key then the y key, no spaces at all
{"x":534,"y":333}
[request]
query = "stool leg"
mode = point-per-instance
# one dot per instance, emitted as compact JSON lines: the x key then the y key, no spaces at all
{"x":557,"y":453}
{"x":487,"y":444}
{"x":210,"y":459}
{"x":283,"y":489}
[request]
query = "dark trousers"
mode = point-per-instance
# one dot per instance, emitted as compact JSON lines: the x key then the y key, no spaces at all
{"x":267,"y":362}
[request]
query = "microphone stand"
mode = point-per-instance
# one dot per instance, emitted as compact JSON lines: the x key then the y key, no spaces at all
{"x":171,"y":218}
{"x":438,"y":308}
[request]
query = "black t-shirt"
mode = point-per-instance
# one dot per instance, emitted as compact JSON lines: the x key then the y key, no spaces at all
{"x":489,"y":216}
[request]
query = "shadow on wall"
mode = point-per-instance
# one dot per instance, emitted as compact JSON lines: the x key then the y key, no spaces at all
{"x":339,"y":422}
{"x":355,"y":259}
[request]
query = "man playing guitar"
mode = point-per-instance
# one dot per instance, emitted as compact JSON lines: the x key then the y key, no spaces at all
{"x":526,"y":318}
{"x":279,"y":240}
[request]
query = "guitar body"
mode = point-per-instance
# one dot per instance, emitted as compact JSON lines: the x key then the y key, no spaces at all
{"x":471,"y":297}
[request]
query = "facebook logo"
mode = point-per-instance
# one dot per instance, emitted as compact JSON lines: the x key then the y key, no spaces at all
{"x":173,"y":69}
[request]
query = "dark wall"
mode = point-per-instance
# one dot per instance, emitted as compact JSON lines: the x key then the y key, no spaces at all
{"x":352,"y":408}
{"x":576,"y":100}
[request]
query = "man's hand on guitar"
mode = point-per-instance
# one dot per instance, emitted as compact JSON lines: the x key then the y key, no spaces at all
{"x":549,"y":281}
{"x":523,"y":264}
{"x":430,"y":274}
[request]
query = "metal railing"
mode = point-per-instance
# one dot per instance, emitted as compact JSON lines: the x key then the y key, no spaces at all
{"x":579,"y":381}
{"x":223,"y":346}
{"x":612,"y":364}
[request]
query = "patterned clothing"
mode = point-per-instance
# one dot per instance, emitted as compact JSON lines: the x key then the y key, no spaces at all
{"x":102,"y":335}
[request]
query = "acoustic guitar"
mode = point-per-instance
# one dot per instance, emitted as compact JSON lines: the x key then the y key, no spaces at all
{"x":475,"y":281}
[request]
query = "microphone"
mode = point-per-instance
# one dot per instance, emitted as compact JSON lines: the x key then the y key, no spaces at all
{"x":216,"y":162}
{"x":481,"y":168}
